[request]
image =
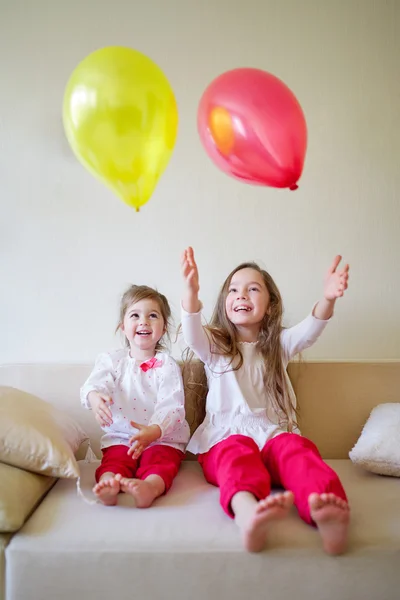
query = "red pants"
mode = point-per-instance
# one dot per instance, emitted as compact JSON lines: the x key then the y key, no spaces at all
{"x":155,"y":460}
{"x":288,"y":460}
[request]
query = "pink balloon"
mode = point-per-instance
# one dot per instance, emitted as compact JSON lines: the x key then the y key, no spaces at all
{"x":253,"y":128}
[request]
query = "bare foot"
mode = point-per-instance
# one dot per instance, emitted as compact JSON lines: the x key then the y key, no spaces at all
{"x":107,"y":491}
{"x":271,"y":508}
{"x":331,"y":514}
{"x":144,"y":492}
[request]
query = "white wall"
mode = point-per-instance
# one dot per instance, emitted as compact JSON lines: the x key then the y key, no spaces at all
{"x":68,"y":247}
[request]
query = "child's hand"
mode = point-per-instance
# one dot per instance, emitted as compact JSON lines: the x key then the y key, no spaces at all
{"x":189,"y":271}
{"x":336,"y":282}
{"x":190,"y":301}
{"x":99,"y":403}
{"x":146,"y":436}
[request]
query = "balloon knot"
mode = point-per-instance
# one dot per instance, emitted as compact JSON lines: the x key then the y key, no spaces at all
{"x":293,"y":187}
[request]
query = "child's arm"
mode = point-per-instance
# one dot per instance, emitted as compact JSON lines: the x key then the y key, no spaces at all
{"x":169,"y":411}
{"x":304,"y":334}
{"x":193,"y":331}
{"x":96,"y":393}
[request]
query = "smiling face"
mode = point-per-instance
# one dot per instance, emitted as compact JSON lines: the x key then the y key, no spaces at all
{"x":143,"y":326}
{"x":247,"y":301}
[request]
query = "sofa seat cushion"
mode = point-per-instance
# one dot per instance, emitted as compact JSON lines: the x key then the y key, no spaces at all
{"x":184,"y":546}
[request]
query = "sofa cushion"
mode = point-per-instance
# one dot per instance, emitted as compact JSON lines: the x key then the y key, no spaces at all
{"x":349,"y":391}
{"x":378,"y":447}
{"x":21,"y":491}
{"x":184,"y":546}
{"x":36,"y":436}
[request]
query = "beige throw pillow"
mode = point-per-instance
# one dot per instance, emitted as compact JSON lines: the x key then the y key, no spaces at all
{"x":21,"y":491}
{"x":378,"y":447}
{"x":36,"y":436}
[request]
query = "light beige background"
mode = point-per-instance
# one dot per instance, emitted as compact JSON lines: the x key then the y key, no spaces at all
{"x":68,"y":247}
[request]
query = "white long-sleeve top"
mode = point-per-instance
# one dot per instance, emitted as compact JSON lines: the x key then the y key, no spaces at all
{"x":237,"y":401}
{"x":154,"y":397}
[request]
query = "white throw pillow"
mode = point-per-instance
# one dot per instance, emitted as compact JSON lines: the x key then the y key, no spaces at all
{"x":378,"y":447}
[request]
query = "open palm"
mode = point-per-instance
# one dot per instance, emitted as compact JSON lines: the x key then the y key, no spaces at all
{"x":189,"y":271}
{"x":336,"y":280}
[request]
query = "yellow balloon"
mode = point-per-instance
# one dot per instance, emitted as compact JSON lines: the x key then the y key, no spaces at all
{"x":121,"y":120}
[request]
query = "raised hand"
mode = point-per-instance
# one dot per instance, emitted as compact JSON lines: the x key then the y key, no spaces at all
{"x":336,"y":280}
{"x":190,"y":273}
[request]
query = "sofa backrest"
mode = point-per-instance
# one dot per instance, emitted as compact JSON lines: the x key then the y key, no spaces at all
{"x":334,"y":398}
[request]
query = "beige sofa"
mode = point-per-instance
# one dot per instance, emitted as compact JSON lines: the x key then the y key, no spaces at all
{"x":185,"y":547}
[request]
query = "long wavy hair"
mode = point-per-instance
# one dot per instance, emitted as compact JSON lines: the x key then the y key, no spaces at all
{"x":225,"y":342}
{"x":136,"y":293}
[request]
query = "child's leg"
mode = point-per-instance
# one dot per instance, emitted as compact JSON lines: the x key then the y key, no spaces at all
{"x":115,"y":461}
{"x":295,"y":463}
{"x":158,"y":466}
{"x":235,"y":466}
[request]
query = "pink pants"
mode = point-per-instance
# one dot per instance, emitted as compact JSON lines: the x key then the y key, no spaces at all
{"x":287,"y":460}
{"x":155,"y":460}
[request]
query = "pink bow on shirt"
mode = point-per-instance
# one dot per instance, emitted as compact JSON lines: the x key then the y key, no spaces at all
{"x":151,"y":364}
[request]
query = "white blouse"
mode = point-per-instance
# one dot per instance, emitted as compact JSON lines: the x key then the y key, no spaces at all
{"x":154,"y":397}
{"x":237,"y":401}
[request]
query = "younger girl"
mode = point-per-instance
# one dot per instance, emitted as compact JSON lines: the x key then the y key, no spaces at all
{"x":138,"y":399}
{"x":249,"y":439}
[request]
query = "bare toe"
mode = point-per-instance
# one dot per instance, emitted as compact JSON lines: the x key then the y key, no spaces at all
{"x":315,"y":501}
{"x":128,"y":484}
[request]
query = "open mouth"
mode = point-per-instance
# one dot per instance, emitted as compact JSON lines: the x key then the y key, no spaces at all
{"x":143,"y":333}
{"x":242,"y":309}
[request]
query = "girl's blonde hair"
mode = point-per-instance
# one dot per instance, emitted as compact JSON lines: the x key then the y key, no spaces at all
{"x":224,"y":336}
{"x":136,"y":293}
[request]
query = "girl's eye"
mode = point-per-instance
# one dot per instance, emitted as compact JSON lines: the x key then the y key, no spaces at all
{"x":153,"y":316}
{"x":232,"y":290}
{"x":134,"y":315}
{"x":254,"y":289}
